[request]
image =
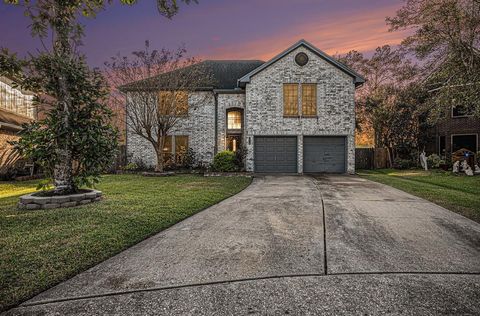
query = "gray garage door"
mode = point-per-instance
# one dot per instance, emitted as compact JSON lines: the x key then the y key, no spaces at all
{"x":324,"y":154}
{"x":275,"y":154}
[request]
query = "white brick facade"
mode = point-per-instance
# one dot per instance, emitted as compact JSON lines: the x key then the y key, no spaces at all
{"x":335,"y":104}
{"x":262,"y":103}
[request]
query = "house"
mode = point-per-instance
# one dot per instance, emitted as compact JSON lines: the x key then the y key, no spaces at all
{"x":16,"y":108}
{"x":459,"y":130}
{"x":293,"y":114}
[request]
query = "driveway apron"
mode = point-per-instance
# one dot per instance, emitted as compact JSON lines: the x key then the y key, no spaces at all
{"x":290,"y":245}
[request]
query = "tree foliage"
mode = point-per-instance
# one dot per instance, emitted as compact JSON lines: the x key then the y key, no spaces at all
{"x":445,"y":36}
{"x":155,"y":84}
{"x":75,"y":142}
{"x":388,"y":101}
{"x":88,"y":135}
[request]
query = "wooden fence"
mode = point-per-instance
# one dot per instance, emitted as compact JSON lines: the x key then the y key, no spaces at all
{"x":371,"y":158}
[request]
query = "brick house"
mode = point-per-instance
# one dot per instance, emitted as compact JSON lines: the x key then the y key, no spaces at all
{"x":458,"y":130}
{"x":293,"y":114}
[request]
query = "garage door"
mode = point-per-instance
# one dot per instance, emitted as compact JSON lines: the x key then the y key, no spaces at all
{"x":275,"y":154}
{"x":324,"y":154}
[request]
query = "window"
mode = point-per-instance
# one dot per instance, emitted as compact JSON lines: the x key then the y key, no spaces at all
{"x":181,"y":144}
{"x":167,"y":147}
{"x":460,"y":111}
{"x":441,"y":146}
{"x":464,"y":141}
{"x":309,"y":99}
{"x":234,"y":119}
{"x":173,"y":103}
{"x":290,"y":99}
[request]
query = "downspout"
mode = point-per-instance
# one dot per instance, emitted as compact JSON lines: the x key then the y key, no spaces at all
{"x":215,"y":148}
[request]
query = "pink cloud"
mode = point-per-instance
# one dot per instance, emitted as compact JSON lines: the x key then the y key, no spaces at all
{"x":362,"y":31}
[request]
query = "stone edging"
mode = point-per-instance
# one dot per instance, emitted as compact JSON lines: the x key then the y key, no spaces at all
{"x":32,"y":202}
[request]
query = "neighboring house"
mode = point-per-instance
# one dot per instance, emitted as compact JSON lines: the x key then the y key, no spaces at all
{"x":293,"y":114}
{"x":458,"y":130}
{"x":16,"y":108}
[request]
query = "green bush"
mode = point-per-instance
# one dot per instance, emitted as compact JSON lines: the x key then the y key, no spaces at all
{"x":131,"y":167}
{"x":224,"y":161}
{"x":401,"y":164}
{"x":434,"y":161}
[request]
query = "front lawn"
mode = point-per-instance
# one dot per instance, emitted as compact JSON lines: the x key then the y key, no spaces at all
{"x":42,"y":248}
{"x":457,"y":193}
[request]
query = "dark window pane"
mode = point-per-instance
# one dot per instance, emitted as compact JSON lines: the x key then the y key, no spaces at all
{"x":441,"y":146}
{"x":464,"y":141}
{"x":461,"y":111}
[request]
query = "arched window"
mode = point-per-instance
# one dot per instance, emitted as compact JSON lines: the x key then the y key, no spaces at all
{"x":234,"y":119}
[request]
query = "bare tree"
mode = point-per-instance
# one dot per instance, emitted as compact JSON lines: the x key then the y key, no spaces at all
{"x":157,"y":85}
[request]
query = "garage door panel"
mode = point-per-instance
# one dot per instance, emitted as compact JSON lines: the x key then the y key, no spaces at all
{"x":275,"y":154}
{"x":324,"y":154}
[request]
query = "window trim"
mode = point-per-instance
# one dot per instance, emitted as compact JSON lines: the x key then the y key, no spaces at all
{"x":229,"y":110}
{"x":465,"y":134}
{"x":315,"y":85}
{"x":300,"y":100}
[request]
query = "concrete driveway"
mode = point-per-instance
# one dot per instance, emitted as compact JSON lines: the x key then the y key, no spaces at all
{"x":290,"y":245}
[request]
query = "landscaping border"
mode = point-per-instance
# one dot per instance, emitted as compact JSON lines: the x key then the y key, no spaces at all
{"x":34,"y":202}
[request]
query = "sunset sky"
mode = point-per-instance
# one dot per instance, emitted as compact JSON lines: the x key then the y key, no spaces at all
{"x":224,"y":29}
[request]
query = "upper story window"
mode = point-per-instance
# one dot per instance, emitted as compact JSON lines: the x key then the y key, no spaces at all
{"x":461,"y":111}
{"x":14,"y":100}
{"x":234,"y":120}
{"x":173,"y":103}
{"x":290,"y":99}
{"x":308,"y":99}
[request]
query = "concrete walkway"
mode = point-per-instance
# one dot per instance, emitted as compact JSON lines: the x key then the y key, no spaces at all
{"x":290,"y":245}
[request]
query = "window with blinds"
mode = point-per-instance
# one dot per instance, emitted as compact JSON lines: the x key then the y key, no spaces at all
{"x":234,"y":120}
{"x":290,"y":99}
{"x":173,"y":103}
{"x":181,"y":144}
{"x":309,"y":99}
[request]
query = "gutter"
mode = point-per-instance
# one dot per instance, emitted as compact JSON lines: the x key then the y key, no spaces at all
{"x":215,"y":147}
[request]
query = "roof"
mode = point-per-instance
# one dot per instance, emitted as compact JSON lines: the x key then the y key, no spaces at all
{"x":358,"y":79}
{"x":224,"y":74}
{"x":12,"y":121}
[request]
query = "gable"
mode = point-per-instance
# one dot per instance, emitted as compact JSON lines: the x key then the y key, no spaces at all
{"x":357,"y":79}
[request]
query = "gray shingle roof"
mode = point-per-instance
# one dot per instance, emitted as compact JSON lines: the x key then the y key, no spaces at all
{"x":358,"y":79}
{"x":223,"y":74}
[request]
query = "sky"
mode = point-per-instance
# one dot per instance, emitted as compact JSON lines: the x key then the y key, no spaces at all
{"x":223,"y":29}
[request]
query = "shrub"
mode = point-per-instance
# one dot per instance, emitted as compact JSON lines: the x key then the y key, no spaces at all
{"x":240,"y":156}
{"x":401,"y":164}
{"x":131,"y":167}
{"x":434,"y":161}
{"x":189,"y":159}
{"x":224,"y":161}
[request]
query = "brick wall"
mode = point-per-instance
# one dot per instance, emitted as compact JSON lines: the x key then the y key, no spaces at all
{"x":225,"y":102}
{"x":199,"y":126}
{"x":456,"y":126}
{"x":335,"y":106}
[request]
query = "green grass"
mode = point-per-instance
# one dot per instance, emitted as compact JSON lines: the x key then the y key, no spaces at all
{"x":458,"y":193}
{"x":41,"y":248}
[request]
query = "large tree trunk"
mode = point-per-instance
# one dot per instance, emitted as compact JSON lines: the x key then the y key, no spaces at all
{"x":63,"y":170}
{"x":62,"y":174}
{"x":160,"y":155}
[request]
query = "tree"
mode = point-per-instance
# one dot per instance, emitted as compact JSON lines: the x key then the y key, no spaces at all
{"x":389,"y":100}
{"x":445,"y":36}
{"x":157,"y":85}
{"x":56,"y":72}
